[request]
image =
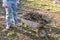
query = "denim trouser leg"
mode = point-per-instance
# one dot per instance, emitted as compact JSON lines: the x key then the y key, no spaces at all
{"x":7,"y":16}
{"x":14,"y":11}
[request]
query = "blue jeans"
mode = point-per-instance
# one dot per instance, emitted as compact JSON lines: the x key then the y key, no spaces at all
{"x":11,"y":7}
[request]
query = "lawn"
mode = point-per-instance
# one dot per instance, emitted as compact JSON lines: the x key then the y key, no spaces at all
{"x":46,"y":4}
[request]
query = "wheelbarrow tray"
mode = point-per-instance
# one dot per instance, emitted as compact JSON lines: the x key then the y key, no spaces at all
{"x":30,"y":23}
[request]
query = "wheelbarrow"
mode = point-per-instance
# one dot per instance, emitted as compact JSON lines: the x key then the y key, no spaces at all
{"x":35,"y":21}
{"x":34,"y":26}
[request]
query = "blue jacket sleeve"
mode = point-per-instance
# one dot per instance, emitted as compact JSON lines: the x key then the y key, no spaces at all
{"x":4,"y":1}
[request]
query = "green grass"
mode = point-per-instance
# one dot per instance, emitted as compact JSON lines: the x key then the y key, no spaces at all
{"x":42,"y":4}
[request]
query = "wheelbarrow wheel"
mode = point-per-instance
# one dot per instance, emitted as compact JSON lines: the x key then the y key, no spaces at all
{"x":42,"y":33}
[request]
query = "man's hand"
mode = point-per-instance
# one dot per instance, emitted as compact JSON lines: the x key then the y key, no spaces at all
{"x":18,"y":2}
{"x":4,"y":5}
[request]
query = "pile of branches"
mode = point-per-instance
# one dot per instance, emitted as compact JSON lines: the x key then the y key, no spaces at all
{"x":35,"y":17}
